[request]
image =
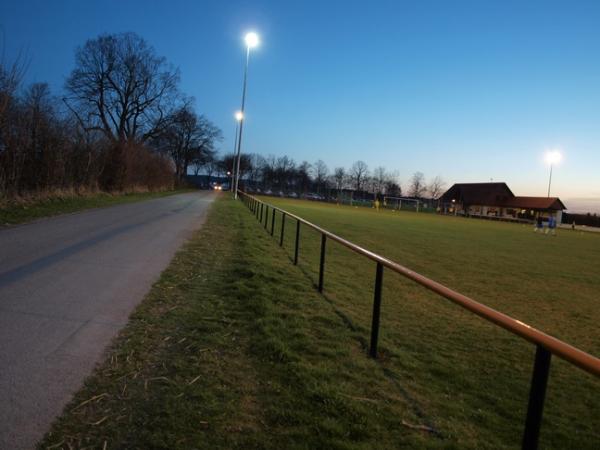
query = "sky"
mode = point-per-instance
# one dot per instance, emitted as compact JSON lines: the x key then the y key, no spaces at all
{"x":472,"y":91}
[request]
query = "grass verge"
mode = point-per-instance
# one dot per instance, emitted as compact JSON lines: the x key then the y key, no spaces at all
{"x":232,"y":349}
{"x":12,"y":213}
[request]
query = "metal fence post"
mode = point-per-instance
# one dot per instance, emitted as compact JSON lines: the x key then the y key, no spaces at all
{"x":273,"y":222}
{"x":376,"y":311}
{"x":537,"y":395}
{"x":297,"y":242}
{"x":282,"y":229}
{"x":322,"y":261}
{"x":266,"y":215}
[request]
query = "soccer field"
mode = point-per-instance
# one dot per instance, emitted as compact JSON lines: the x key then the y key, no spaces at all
{"x":463,"y":372}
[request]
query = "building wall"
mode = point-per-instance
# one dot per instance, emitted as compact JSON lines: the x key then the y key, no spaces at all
{"x":505,"y":213}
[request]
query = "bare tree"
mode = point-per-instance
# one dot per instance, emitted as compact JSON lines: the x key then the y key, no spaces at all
{"x":417,"y":185}
{"x":392,"y":188}
{"x":359,"y":172}
{"x":303,"y":176}
{"x":284,"y":168}
{"x":320,"y":171}
{"x":256,"y":169}
{"x":339,"y":175}
{"x":211,"y":167}
{"x":436,"y":187}
{"x":201,"y":159}
{"x":187,"y":137}
{"x":121,"y":87}
{"x":380,"y":176}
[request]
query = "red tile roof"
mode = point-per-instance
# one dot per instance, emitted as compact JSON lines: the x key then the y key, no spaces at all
{"x":534,"y":203}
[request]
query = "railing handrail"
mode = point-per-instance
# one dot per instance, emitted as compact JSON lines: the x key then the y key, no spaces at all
{"x":578,"y":357}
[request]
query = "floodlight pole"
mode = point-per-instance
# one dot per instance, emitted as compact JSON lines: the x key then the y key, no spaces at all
{"x":239,"y":142}
{"x":550,"y":181}
{"x":237,"y":128}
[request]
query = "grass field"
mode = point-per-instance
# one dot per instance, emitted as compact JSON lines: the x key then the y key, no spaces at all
{"x":234,"y":348}
{"x":470,"y":376}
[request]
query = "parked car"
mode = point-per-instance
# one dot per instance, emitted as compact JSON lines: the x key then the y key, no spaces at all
{"x":293,"y":195}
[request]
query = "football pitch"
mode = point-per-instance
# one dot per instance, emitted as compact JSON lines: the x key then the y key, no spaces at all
{"x":467,"y":374}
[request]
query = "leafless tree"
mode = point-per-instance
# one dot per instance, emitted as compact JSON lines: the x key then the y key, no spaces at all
{"x":393,"y":188}
{"x":213,"y":166}
{"x":359,"y":172}
{"x":303,"y":176}
{"x":320,"y":171}
{"x":339,"y":175}
{"x":187,"y":137}
{"x":436,"y":187}
{"x":380,"y":176}
{"x":417,"y":185}
{"x":257,"y":163}
{"x":228,"y":165}
{"x":284,"y":168}
{"x":121,"y":88}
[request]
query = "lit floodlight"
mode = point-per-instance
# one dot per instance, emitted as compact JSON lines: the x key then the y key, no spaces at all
{"x":252,"y":40}
{"x":239,"y":116}
{"x":553,"y":157}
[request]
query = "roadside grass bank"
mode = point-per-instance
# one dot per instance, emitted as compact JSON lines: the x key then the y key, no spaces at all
{"x":23,"y":210}
{"x":233,"y":349}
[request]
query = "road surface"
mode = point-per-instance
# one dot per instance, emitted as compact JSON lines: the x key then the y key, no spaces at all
{"x":67,"y":286}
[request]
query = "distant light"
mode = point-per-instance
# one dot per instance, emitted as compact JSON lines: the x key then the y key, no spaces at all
{"x":553,"y":157}
{"x":252,"y":40}
{"x":239,"y":115}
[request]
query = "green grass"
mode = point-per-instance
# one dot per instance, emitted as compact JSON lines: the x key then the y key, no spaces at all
{"x":12,"y":213}
{"x":471,"y":376}
{"x":234,"y":348}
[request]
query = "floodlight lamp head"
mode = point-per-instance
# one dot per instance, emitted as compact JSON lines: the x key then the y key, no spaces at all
{"x":239,"y":116}
{"x":553,"y":157}
{"x":252,"y":40}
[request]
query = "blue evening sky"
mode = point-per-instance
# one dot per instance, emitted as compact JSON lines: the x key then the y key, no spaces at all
{"x":469,"y":90}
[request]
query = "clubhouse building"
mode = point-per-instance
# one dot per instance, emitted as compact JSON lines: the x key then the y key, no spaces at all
{"x":496,"y":200}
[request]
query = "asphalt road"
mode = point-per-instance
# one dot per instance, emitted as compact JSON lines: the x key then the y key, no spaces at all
{"x":67,"y":286}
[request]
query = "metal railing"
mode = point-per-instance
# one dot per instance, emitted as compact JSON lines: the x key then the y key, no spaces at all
{"x":546,"y":345}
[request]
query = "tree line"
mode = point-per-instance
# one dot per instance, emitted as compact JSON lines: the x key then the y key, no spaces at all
{"x":283,"y":174}
{"x":121,"y":123}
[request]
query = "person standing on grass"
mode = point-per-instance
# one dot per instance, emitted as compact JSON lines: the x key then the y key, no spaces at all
{"x":539,"y":225}
{"x":552,"y":225}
